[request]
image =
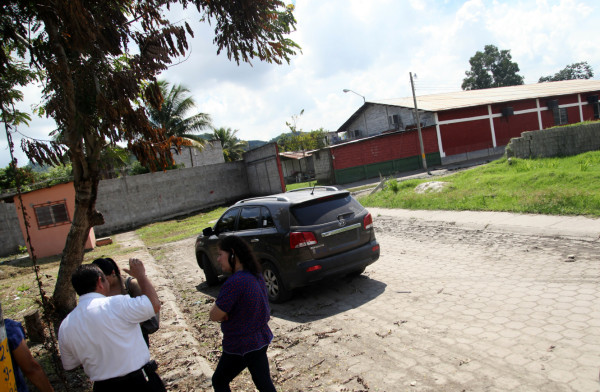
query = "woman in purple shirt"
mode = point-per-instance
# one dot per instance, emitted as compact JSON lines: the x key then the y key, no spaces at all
{"x":242,"y":308}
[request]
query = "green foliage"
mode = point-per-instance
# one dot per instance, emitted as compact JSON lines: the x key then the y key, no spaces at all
{"x":15,"y":75}
{"x":173,"y":116}
{"x":233,"y":148}
{"x":554,"y":186}
{"x":393,"y":185}
{"x":491,"y":68}
{"x":8,"y":176}
{"x":301,"y":141}
{"x":58,"y":174}
{"x":581,"y":70}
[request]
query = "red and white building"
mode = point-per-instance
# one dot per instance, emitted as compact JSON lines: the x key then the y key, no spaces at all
{"x":380,"y":138}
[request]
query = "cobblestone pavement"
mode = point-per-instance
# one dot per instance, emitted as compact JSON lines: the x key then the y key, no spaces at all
{"x":450,"y":308}
{"x":457,"y":302}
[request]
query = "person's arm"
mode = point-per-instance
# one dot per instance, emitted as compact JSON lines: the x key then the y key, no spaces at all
{"x":134,"y":288}
{"x":31,"y":368}
{"x":138,"y":271}
{"x":216,"y":314}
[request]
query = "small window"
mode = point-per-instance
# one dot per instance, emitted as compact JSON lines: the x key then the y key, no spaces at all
{"x":227,"y":221}
{"x":51,"y":214}
{"x":560,"y":116}
{"x":250,"y":218}
{"x":596,"y":110}
{"x":267,"y":219}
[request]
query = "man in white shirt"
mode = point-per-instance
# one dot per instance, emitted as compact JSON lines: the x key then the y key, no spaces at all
{"x":103,"y":334}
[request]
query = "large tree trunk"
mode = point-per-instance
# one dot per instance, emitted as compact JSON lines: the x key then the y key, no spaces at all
{"x":84,"y":218}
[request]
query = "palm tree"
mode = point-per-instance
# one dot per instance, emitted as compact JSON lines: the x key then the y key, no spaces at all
{"x":172,"y":115}
{"x":233,"y":148}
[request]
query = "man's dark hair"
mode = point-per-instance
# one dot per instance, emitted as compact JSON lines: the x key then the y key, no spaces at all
{"x":85,"y":277}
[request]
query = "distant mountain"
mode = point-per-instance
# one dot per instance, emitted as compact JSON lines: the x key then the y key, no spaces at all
{"x":255,"y":144}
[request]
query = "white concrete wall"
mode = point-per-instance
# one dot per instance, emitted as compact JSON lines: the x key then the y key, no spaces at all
{"x":191,"y":157}
{"x":263,"y":171}
{"x":132,"y":201}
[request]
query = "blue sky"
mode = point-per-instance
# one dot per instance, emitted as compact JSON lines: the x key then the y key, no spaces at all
{"x":369,"y":47}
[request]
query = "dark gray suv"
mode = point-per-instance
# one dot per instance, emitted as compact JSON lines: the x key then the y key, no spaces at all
{"x":300,"y":237}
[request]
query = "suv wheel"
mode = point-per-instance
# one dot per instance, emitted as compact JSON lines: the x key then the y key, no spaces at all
{"x":275,"y":288}
{"x":212,"y":279}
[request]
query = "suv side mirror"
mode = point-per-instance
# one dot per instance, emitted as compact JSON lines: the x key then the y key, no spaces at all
{"x":208,"y":232}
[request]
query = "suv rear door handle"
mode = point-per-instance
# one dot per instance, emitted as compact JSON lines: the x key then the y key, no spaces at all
{"x":254,"y":240}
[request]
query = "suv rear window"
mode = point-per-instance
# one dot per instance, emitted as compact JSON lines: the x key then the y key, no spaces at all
{"x":326,"y":209}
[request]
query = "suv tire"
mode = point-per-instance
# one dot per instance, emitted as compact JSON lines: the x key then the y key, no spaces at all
{"x":276,"y":290}
{"x":212,"y":279}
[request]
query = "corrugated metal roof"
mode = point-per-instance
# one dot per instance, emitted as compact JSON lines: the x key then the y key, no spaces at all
{"x":295,"y":154}
{"x":461,"y":99}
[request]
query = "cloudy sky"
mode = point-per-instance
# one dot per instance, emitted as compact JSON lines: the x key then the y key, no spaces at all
{"x":369,"y":47}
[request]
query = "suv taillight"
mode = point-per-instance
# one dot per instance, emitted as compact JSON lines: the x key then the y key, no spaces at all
{"x":368,"y":222}
{"x":302,"y":239}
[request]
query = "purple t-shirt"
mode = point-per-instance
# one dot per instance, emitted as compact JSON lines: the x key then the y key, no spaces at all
{"x":244,"y":298}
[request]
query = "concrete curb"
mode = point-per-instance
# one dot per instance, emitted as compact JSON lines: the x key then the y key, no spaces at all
{"x":574,"y":227}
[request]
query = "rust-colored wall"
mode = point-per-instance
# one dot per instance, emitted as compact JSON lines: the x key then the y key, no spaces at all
{"x":512,"y":126}
{"x":468,"y":136}
{"x":383,"y":148}
{"x":49,"y":241}
{"x":473,"y":135}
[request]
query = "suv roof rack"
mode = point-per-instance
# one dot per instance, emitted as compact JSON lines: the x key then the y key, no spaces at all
{"x":324,"y":188}
{"x":276,"y":198}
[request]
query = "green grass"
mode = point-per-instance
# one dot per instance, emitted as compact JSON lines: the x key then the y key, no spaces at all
{"x":553,"y":186}
{"x":178,"y":229}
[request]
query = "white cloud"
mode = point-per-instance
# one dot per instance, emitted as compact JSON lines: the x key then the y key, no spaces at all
{"x":370,"y":47}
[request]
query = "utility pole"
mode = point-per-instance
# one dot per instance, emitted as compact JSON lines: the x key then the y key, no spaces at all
{"x":412,"y":85}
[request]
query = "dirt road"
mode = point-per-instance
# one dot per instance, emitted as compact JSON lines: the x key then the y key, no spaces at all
{"x":444,"y":309}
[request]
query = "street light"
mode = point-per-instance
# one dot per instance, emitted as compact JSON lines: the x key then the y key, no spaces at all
{"x":348,"y":90}
{"x":364,"y":102}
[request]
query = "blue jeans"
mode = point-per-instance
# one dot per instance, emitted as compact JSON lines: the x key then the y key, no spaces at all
{"x":230,"y":365}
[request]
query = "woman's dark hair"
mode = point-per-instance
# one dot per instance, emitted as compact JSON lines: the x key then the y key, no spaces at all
{"x":107,"y":265}
{"x":85,"y":277}
{"x":238,"y":247}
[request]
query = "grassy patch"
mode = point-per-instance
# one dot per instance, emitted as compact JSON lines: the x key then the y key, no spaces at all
{"x":178,"y":229}
{"x":554,"y":186}
{"x":307,"y":184}
{"x":360,"y":188}
{"x":19,"y":290}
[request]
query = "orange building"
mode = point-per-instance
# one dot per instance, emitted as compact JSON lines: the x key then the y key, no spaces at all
{"x":50,"y":213}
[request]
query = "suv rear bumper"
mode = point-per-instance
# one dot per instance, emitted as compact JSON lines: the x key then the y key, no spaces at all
{"x":337,"y":265}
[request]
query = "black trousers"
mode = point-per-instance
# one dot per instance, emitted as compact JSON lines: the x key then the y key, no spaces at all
{"x":135,"y":381}
{"x":230,"y":365}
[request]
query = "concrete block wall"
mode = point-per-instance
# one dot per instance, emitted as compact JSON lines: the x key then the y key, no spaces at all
{"x":130,"y":202}
{"x":563,"y":141}
{"x":191,"y":157}
{"x":262,"y":169}
{"x":323,"y":165}
{"x":10,"y":231}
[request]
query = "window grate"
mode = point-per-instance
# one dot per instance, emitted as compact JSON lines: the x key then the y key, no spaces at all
{"x":50,"y":215}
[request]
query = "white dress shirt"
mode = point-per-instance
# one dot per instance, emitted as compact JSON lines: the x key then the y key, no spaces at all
{"x":103,"y":334}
